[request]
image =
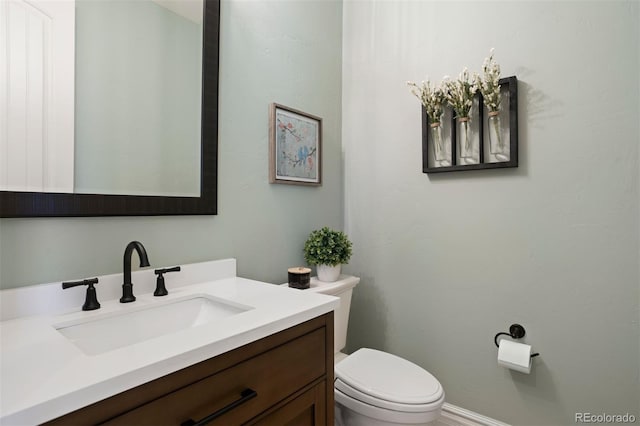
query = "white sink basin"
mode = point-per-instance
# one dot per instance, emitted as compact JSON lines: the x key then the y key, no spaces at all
{"x":119,"y":329}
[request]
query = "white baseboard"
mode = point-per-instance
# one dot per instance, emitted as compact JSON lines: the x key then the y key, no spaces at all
{"x":453,"y":415}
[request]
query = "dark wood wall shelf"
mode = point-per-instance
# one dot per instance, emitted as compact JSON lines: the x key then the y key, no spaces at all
{"x":509,"y":114}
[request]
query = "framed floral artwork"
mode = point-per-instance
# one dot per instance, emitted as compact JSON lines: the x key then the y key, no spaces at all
{"x":295,"y":147}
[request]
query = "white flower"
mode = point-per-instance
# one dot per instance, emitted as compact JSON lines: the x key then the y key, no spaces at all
{"x":431,"y":97}
{"x":459,"y":93}
{"x":489,"y":83}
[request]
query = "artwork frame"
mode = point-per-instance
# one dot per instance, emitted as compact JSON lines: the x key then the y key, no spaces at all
{"x":295,"y":146}
{"x":509,"y":113}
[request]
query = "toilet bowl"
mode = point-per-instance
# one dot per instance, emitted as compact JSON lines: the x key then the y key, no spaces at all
{"x":375,"y":388}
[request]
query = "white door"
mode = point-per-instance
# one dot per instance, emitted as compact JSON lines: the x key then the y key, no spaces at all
{"x":37,"y":51}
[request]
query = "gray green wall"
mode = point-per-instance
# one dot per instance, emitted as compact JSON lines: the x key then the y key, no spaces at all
{"x":449,"y":260}
{"x":446,"y":261}
{"x":138,"y":96}
{"x":285,"y":52}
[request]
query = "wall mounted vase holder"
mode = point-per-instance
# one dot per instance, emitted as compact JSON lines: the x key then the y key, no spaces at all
{"x":491,"y":139}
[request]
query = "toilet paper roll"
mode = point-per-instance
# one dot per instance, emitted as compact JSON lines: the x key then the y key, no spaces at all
{"x":515,"y":356}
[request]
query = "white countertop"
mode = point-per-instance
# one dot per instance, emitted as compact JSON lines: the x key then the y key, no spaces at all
{"x":44,"y":375}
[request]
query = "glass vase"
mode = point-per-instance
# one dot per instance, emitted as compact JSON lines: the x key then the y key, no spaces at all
{"x":464,"y":141}
{"x":439,"y":150}
{"x":496,"y":140}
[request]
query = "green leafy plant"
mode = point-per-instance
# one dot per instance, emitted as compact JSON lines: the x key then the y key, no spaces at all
{"x":327,"y":247}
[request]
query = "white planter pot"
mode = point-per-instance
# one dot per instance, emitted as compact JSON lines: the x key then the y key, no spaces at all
{"x":328,"y":274}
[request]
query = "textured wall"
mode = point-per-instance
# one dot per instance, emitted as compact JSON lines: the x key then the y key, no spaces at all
{"x":285,"y":52}
{"x":449,"y":260}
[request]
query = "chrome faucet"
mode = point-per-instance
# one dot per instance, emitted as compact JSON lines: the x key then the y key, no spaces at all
{"x":127,"y":287}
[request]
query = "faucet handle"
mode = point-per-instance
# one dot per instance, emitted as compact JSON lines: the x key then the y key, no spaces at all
{"x":88,"y":281}
{"x":161,"y":290}
{"x":91,"y":299}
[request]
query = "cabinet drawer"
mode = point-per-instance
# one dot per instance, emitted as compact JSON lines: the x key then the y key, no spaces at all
{"x":274,"y":375}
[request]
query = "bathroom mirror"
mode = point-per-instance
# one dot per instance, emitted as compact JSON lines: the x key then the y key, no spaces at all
{"x":202,"y":200}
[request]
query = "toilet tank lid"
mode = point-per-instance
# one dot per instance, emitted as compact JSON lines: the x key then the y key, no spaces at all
{"x":388,"y":377}
{"x":344,"y":283}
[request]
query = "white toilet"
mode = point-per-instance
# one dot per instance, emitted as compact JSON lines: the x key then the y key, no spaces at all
{"x":374,"y":388}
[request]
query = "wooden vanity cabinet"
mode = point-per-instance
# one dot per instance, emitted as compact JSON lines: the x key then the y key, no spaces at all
{"x":290,"y":372}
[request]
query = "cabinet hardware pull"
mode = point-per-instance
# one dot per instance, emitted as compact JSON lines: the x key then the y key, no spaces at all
{"x":245,"y":395}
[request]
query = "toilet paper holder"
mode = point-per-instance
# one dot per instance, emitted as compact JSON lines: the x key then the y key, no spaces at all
{"x":516,"y":331}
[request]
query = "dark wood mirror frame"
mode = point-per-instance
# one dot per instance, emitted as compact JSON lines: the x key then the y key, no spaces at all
{"x":39,"y":204}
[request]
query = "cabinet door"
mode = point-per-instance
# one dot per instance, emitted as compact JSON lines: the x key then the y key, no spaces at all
{"x":308,"y":409}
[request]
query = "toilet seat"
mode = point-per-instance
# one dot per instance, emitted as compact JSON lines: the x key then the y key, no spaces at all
{"x":349,"y":392}
{"x":374,"y":415}
{"x":386,"y":381}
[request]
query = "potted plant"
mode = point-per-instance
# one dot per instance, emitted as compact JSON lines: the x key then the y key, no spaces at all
{"x":328,"y":250}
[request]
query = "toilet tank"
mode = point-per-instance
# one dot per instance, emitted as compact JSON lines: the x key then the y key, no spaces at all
{"x":343,"y":288}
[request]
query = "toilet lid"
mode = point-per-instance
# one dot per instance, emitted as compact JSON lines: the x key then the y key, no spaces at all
{"x":382,"y":376}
